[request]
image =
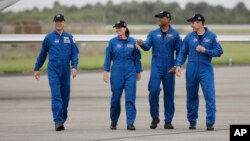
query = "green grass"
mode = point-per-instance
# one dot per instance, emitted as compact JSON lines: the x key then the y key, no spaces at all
{"x":238,"y":51}
{"x":18,"y":66}
{"x":91,"y":62}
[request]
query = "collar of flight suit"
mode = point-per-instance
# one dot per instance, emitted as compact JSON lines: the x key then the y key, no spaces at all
{"x":63,"y":33}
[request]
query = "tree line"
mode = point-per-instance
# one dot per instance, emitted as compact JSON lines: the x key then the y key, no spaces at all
{"x":133,"y":12}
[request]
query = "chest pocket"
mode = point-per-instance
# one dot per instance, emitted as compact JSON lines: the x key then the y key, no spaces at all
{"x":66,"y":47}
{"x":169,"y":42}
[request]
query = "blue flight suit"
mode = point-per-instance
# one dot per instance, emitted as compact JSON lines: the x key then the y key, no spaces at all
{"x":164,"y":46}
{"x":200,"y":70}
{"x":126,"y":64}
{"x":62,"y":51}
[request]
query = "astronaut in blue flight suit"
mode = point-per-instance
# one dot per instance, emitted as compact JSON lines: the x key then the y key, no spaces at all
{"x":200,"y":46}
{"x":62,"y":52}
{"x":125,"y":70}
{"x":165,"y":42}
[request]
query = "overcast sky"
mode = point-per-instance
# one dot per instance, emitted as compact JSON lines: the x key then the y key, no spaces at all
{"x":30,"y":4}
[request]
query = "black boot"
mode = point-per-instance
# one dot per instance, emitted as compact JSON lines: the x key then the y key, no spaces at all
{"x":154,"y":123}
{"x":131,"y":127}
{"x":192,"y":126}
{"x":59,"y":127}
{"x":113,"y":126}
{"x":168,"y":125}
{"x":210,"y":127}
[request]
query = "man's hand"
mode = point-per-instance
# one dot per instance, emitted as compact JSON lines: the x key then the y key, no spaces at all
{"x":139,"y":42}
{"x":37,"y":75}
{"x":138,"y":76}
{"x":74,"y":73}
{"x":105,"y":77}
{"x":200,"y":49}
{"x":172,"y":70}
{"x":178,"y":71}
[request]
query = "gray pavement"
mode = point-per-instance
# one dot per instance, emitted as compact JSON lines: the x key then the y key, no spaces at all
{"x":25,"y":110}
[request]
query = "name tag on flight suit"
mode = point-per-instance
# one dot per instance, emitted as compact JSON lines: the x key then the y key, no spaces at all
{"x":66,"y":40}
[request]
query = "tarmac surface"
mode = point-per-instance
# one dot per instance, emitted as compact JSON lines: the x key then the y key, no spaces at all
{"x":25,"y":109}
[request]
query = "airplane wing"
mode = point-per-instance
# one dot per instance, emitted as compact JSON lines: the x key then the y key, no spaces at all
{"x":32,"y":38}
{"x":6,"y":3}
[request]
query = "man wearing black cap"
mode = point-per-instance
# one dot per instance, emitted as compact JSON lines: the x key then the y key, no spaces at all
{"x":62,"y":51}
{"x":200,"y":46}
{"x":165,"y":41}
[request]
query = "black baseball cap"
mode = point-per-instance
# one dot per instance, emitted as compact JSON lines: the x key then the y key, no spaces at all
{"x":163,"y":14}
{"x":59,"y":17}
{"x":197,"y":17}
{"x":120,"y":23}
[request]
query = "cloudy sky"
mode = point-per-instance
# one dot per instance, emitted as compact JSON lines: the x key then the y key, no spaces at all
{"x":29,"y":4}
